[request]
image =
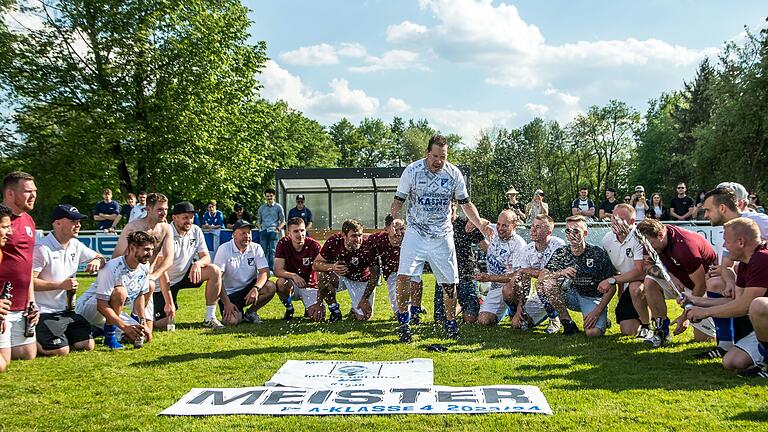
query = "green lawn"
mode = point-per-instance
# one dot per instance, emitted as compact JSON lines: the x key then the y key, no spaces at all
{"x":607,"y":384}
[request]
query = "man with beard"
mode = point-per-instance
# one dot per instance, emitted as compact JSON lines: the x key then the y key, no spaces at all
{"x":345,"y":265}
{"x":123,"y":281}
{"x":296,"y":278}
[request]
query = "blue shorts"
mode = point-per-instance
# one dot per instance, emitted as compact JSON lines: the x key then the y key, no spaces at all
{"x":577,"y":302}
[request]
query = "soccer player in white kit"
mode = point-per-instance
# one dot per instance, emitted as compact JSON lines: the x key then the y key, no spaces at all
{"x":429,"y":184}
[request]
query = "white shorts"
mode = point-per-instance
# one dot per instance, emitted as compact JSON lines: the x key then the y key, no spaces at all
{"x":392,"y":289}
{"x":749,"y":345}
{"x":88,"y":310}
{"x":356,"y":290}
{"x":308,"y":296}
{"x":13,"y":335}
{"x":494,"y":302}
{"x":670,"y":293}
{"x":440,"y":252}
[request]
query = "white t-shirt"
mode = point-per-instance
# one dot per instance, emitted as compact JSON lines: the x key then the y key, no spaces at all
{"x":531,"y":258}
{"x":429,"y":197}
{"x":623,"y":255}
{"x":185,"y":249}
{"x":55,"y":263}
{"x":640,"y":211}
{"x":117,"y":273}
{"x":137,"y":212}
{"x":503,"y":255}
{"x":760,"y":219}
{"x":239,"y":269}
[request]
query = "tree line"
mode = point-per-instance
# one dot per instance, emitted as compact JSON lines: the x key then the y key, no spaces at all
{"x":165,"y":95}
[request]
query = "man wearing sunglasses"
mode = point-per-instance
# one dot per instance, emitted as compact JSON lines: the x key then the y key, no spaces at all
{"x":570,"y":281}
{"x":682,"y":206}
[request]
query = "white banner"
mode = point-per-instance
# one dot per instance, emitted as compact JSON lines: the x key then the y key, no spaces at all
{"x":361,"y":401}
{"x":335,"y":374}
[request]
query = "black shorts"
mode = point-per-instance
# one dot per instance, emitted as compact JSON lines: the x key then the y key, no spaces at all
{"x":625,"y":310}
{"x":159,"y":300}
{"x":61,"y":329}
{"x":742,"y":327}
{"x":238,"y":297}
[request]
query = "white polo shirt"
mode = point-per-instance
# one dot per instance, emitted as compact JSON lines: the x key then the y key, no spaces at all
{"x":239,"y":269}
{"x":531,"y":258}
{"x":623,"y":255}
{"x":117,"y":273}
{"x":55,"y":263}
{"x":185,"y":249}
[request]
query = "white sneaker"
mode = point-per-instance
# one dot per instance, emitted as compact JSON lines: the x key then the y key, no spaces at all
{"x":554,"y":326}
{"x":643,"y":333}
{"x":214,"y":324}
{"x":252,"y":316}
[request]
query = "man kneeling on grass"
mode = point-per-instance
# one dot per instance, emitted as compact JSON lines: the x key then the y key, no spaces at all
{"x":570,"y":280}
{"x":123,"y":280}
{"x":245,"y":276}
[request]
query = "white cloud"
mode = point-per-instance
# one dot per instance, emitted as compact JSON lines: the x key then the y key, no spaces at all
{"x":19,"y":21}
{"x":322,"y":54}
{"x":397,"y":105}
{"x":514,"y":53}
{"x":406,"y":31}
{"x":340,"y":101}
{"x":351,"y":50}
{"x":564,"y":106}
{"x":467,"y":123}
{"x":536,"y":109}
{"x":391,"y":60}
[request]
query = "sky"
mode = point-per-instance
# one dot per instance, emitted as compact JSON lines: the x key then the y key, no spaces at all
{"x":468,"y":65}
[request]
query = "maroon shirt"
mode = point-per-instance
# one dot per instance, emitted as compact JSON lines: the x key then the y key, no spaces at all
{"x":299,"y":262}
{"x":686,"y":251}
{"x":380,"y":247}
{"x":755,"y":272}
{"x":357,"y":261}
{"x":17,"y":259}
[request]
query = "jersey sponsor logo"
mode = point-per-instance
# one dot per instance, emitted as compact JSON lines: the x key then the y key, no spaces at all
{"x":590,"y":262}
{"x":305,"y":261}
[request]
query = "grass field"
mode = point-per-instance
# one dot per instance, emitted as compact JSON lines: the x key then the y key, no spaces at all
{"x":612,"y":383}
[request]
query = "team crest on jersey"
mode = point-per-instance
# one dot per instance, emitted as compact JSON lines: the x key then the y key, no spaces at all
{"x":192,"y":241}
{"x":72,"y":256}
{"x":28,"y":229}
{"x":354,"y":260}
{"x":590,"y":262}
{"x":250,"y":261}
{"x":305,"y":261}
{"x":628,"y":252}
{"x":444,"y":182}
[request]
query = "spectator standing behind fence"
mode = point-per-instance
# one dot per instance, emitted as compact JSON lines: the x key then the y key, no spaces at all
{"x":140,"y":209}
{"x":583,"y":206}
{"x":271,"y":221}
{"x":536,"y":207}
{"x":239,"y":213}
{"x":213,"y":222}
{"x":513,"y":204}
{"x":107,"y":212}
{"x":301,"y":211}
{"x":657,"y":210}
{"x":754,"y":203}
{"x":699,"y":213}
{"x":639,"y":203}
{"x":608,"y":204}
{"x":681,"y":207}
{"x":125,"y":209}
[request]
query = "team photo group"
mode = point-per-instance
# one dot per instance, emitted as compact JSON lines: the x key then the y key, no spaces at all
{"x":640,"y":264}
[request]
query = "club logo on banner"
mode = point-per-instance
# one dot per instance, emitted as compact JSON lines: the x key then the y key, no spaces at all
{"x":327,"y":374}
{"x":361,"y":401}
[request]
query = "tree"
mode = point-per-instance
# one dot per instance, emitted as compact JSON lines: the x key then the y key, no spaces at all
{"x":348,"y":141}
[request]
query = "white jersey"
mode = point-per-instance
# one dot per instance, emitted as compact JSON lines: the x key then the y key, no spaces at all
{"x":503,"y":256}
{"x":760,"y":219}
{"x":55,"y":263}
{"x":532,"y":258}
{"x":623,"y":255}
{"x":239,"y":268}
{"x":117,"y":273}
{"x":137,"y":212}
{"x":184,"y":251}
{"x":429,"y":197}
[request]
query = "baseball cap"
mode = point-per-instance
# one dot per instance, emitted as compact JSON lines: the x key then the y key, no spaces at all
{"x":738,"y":189}
{"x":183,"y":207}
{"x":512,"y":191}
{"x":238,"y":206}
{"x":639,"y":188}
{"x":300,"y":197}
{"x":66,"y":211}
{"x":241,"y":224}
{"x":539,"y":192}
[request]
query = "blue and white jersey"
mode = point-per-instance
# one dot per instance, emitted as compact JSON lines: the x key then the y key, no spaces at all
{"x":531,"y":258}
{"x":117,"y":273}
{"x":503,"y":256}
{"x":429,"y":197}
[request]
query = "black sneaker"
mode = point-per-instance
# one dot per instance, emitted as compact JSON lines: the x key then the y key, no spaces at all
{"x":288,"y":314}
{"x":569,"y":328}
{"x":714,"y":353}
{"x":404,"y":332}
{"x":759,"y":371}
{"x":451,"y":329}
{"x":335,"y":316}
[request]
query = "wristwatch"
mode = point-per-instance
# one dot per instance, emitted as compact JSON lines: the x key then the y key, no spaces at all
{"x":612,"y":280}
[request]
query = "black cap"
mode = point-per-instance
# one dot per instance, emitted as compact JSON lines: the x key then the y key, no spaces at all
{"x":241,"y":224}
{"x":238,"y":206}
{"x":183,"y":207}
{"x":66,"y":211}
{"x":300,"y":197}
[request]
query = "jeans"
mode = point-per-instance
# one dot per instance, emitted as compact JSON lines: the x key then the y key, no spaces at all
{"x":268,"y":240}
